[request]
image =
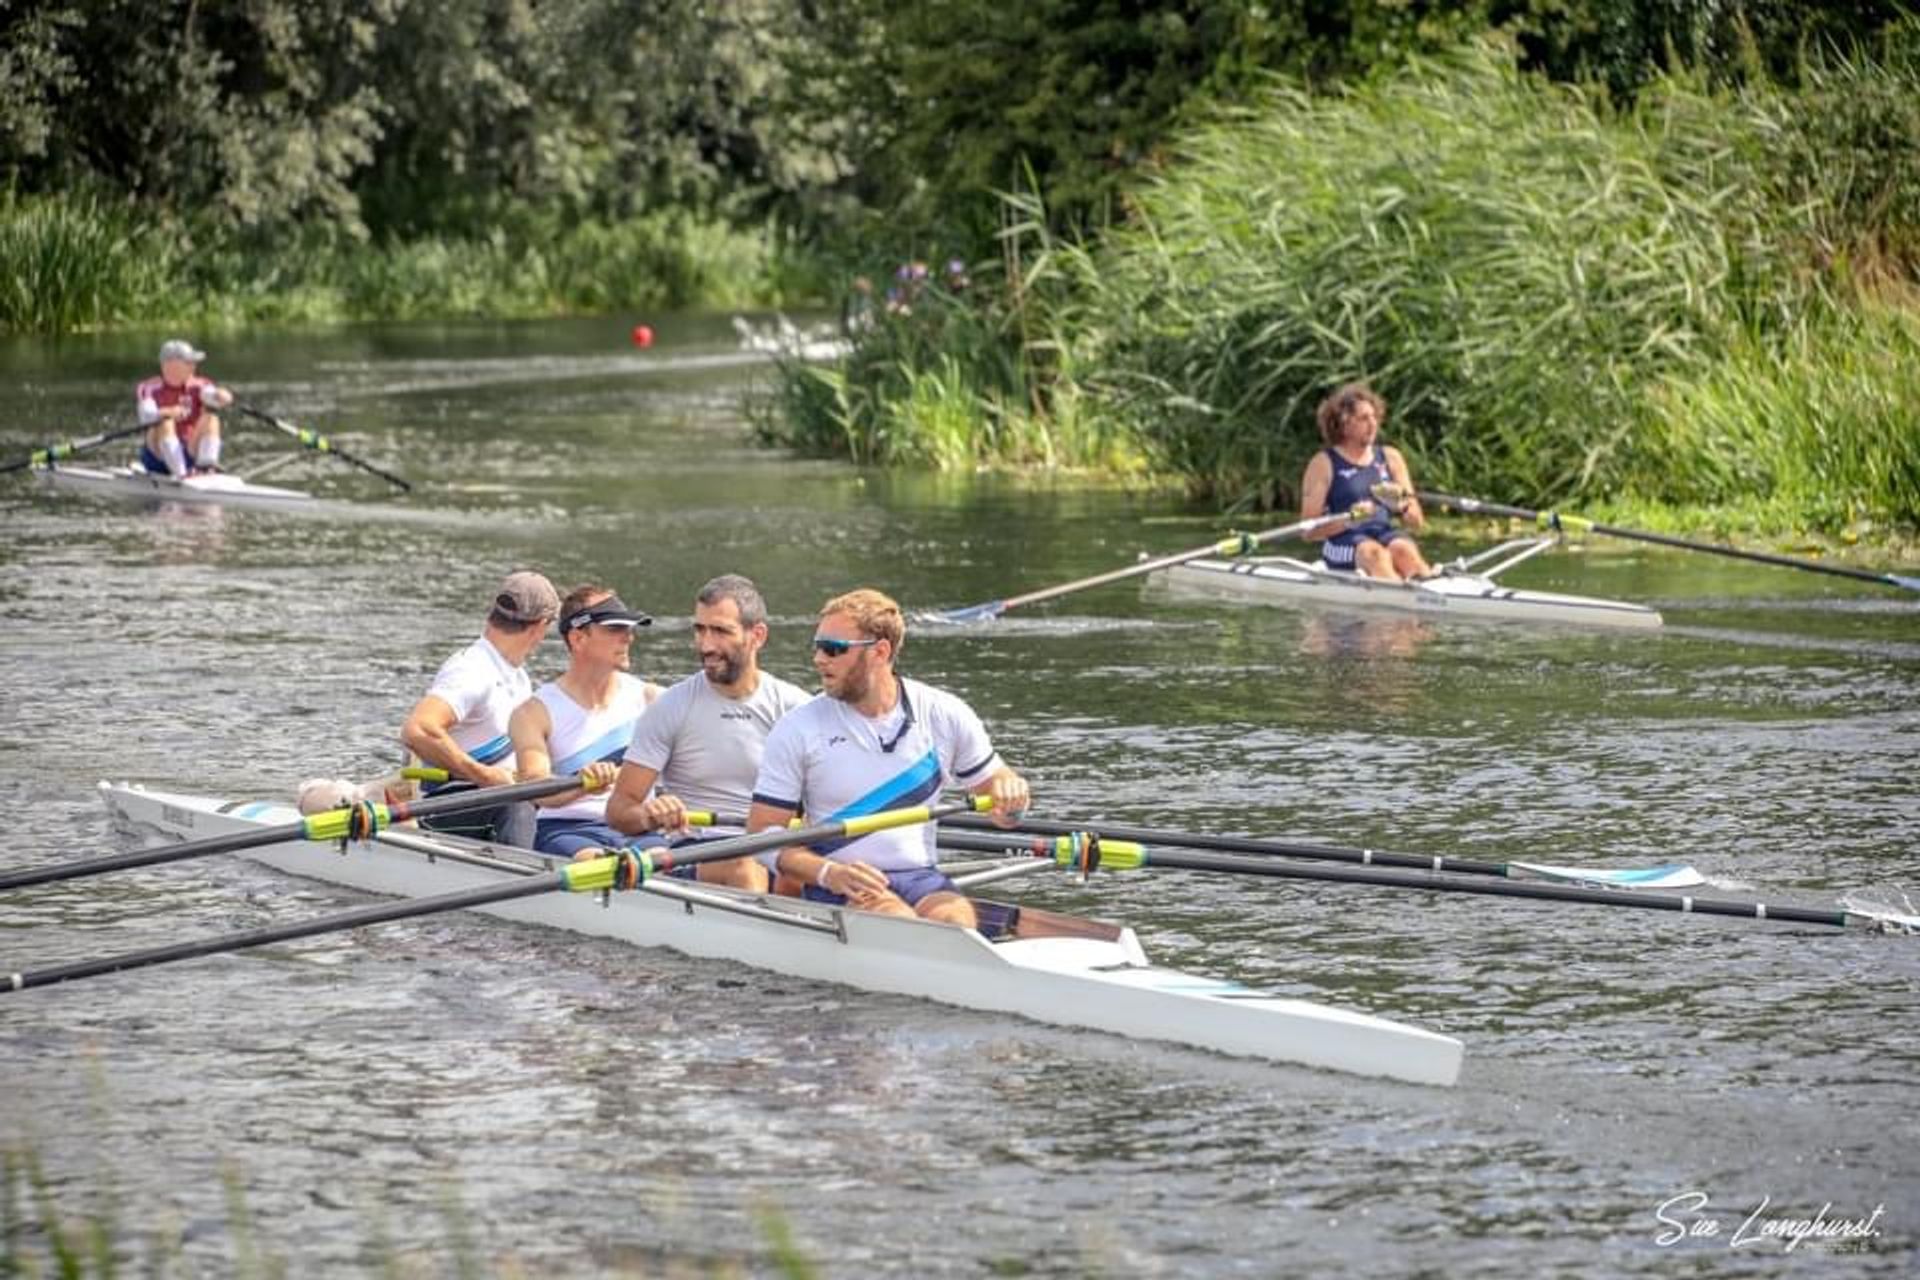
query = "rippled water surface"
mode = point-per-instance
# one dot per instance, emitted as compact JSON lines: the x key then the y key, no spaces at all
{"x":455,"y":1086}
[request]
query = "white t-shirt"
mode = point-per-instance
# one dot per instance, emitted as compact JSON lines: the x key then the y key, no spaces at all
{"x":483,"y":688}
{"x":705,"y":746}
{"x":830,"y":762}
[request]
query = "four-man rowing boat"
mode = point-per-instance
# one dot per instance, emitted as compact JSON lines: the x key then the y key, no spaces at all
{"x":138,"y":485}
{"x":1459,"y":591}
{"x":1022,"y":960}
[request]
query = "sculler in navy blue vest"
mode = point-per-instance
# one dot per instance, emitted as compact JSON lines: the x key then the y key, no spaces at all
{"x":1349,"y":472}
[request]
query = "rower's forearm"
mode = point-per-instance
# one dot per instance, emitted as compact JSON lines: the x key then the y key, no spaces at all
{"x":440,"y":750}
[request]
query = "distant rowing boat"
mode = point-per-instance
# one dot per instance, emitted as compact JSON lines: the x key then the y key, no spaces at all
{"x":1463,"y":590}
{"x":131,"y":483}
{"x":1022,"y":960}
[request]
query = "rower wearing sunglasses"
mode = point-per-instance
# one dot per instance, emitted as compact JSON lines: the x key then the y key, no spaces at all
{"x":875,"y":741}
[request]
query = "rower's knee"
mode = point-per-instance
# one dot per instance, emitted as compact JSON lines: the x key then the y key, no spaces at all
{"x":209,"y":425}
{"x":948,"y":908}
{"x":735,"y":873}
{"x":1374,"y":561}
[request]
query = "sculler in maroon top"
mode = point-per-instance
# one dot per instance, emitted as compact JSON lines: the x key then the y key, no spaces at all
{"x":183,"y":433}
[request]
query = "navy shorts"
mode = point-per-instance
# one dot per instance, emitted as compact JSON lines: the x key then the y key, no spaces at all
{"x":564,"y":837}
{"x":1339,"y":554}
{"x":911,"y":885}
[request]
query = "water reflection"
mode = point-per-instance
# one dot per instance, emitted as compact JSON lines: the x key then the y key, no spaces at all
{"x":1365,"y":659}
{"x":186,"y":532}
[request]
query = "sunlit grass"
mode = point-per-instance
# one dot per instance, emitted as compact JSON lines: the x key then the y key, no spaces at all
{"x":69,"y":263}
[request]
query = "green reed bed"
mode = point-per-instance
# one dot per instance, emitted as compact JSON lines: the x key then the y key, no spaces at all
{"x":1703,"y":297}
{"x":69,"y":263}
{"x":947,"y":376}
{"x":1558,"y":298}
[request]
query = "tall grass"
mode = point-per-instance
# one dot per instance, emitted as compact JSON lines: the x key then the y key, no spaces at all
{"x":954,"y":375}
{"x":1820,"y":422}
{"x":1704,"y":296}
{"x":1542,"y":285}
{"x":73,"y":262}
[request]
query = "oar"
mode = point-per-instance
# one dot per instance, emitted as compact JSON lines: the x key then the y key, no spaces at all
{"x":54,"y":452}
{"x":627,"y":869}
{"x":1669,"y":876}
{"x":1555,"y":522}
{"x":356,"y":823}
{"x":1239,"y":544}
{"x":1088,"y":854}
{"x":320,"y":444}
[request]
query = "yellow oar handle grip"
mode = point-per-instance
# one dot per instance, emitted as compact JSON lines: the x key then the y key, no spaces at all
{"x":1113,"y":855}
{"x":1554,"y":522}
{"x":425,"y":773}
{"x":338,"y":824}
{"x":598,"y":875}
{"x":1237,"y":544}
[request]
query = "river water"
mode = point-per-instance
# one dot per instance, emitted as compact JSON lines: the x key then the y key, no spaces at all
{"x":459,"y":1092}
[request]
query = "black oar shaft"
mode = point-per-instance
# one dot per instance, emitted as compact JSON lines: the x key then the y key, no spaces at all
{"x":1505,"y":889}
{"x":321,"y":444}
{"x":377,"y":913}
{"x":593,"y":875}
{"x":54,"y":452}
{"x":1238,"y":544}
{"x":1551,"y":520}
{"x":1245,"y":845}
{"x":433,"y":806}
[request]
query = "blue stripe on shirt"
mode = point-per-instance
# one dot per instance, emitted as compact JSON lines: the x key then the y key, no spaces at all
{"x":607,"y":746}
{"x":498,"y":749}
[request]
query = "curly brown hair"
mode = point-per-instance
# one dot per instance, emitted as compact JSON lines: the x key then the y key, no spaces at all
{"x":1331,"y":416}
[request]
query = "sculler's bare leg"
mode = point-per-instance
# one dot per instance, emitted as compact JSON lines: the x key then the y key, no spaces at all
{"x":735,"y":873}
{"x":1373,"y":560}
{"x":947,"y":908}
{"x":1407,"y":560}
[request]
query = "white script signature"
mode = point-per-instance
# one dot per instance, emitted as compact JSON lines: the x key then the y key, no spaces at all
{"x":1689,"y":1216}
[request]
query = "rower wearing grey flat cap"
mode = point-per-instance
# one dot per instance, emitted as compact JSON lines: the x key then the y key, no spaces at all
{"x":461,"y":723}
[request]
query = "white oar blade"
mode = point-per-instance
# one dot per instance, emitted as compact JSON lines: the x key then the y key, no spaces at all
{"x":1673,"y":876}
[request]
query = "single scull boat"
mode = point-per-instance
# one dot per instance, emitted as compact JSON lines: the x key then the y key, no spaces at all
{"x":1461,"y":590}
{"x":139,"y":485}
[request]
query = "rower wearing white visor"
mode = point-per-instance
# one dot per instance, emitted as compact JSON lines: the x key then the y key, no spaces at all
{"x":461,"y":723}
{"x":875,"y":741}
{"x":581,"y":722}
{"x":698,"y":747}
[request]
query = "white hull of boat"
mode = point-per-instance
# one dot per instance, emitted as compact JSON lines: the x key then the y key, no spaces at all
{"x":1454,"y":595}
{"x":1049,"y":967}
{"x":134,"y":484}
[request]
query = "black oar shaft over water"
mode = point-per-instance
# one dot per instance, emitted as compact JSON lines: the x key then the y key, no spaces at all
{"x":1134,"y":857}
{"x":1241,"y":844}
{"x":623,"y":870}
{"x":1555,"y":522}
{"x":52,"y":453}
{"x":1236,"y":545}
{"x":335,"y":824}
{"x":320,"y":444}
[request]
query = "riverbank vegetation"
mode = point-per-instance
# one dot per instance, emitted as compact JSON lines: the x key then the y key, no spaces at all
{"x":1588,"y":249}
